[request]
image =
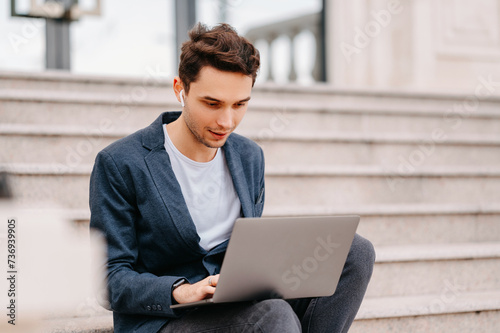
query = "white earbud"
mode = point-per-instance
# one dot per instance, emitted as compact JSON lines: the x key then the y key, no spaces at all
{"x":182,"y":98}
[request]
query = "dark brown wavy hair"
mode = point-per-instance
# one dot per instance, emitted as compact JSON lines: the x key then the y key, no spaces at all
{"x":220,"y":47}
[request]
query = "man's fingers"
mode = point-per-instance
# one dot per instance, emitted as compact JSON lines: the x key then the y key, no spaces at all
{"x":213,"y":280}
{"x":209,"y":290}
{"x":196,"y":292}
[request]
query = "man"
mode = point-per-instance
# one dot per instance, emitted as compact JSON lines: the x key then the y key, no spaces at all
{"x":166,"y":198}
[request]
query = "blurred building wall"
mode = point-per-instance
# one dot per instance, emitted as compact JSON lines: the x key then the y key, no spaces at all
{"x":425,"y":44}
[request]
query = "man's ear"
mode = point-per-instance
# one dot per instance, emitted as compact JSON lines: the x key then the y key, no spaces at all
{"x":178,"y":87}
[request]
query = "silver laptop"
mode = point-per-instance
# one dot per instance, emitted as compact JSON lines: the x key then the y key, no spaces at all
{"x":286,"y":257}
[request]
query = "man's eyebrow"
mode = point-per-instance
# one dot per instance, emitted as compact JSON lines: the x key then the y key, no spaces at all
{"x":245,"y":99}
{"x":211,"y":99}
{"x":218,"y":101}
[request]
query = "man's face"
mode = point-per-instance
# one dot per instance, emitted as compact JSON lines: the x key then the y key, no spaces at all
{"x":215,"y":105}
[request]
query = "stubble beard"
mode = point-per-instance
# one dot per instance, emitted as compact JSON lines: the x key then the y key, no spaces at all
{"x":193,"y":128}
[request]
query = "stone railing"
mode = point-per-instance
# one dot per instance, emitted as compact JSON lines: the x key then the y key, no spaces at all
{"x":291,"y":28}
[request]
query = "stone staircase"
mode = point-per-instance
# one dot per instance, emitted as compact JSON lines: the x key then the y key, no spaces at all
{"x":422,"y":170}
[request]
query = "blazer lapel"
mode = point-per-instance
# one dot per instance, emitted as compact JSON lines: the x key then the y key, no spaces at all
{"x":158,"y":163}
{"x":235,"y":167}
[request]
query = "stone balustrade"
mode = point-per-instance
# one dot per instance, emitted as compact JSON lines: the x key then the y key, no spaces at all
{"x":291,"y":29}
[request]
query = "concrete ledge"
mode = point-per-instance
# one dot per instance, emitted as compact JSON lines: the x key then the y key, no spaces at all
{"x":364,"y":211}
{"x":435,"y":252}
{"x":377,"y":171}
{"x":423,"y":305}
{"x":372,"y":308}
{"x":90,"y":98}
{"x":289,"y":171}
{"x":64,"y":76}
{"x":390,"y":138}
{"x":60,"y":130}
{"x":477,"y":322}
{"x":408,"y":93}
{"x":392,"y":105}
{"x":46,"y":169}
{"x":94,"y":324}
{"x":67,"y":185}
{"x":389,"y":210}
{"x":346,"y":137}
{"x":318,"y":89}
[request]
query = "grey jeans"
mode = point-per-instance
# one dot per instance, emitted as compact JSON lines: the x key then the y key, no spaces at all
{"x":323,"y":314}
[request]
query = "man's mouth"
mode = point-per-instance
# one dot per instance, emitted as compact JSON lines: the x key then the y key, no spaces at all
{"x":219,"y":135}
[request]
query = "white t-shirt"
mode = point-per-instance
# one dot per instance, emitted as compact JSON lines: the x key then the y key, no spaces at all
{"x":209,"y":194}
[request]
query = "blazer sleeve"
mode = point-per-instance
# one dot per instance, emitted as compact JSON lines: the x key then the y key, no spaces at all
{"x":261,"y":187}
{"x":113,"y":212}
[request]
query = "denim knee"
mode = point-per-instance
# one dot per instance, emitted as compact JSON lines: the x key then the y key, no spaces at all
{"x":361,"y":258}
{"x":276,"y":315}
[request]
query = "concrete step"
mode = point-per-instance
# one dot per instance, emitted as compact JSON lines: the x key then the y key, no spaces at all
{"x":393,"y":152}
{"x":428,"y":268}
{"x":431,"y":229}
{"x":336,"y":187}
{"x":448,"y":311}
{"x":467,"y":102}
{"x":388,"y":100}
{"x":154,"y":81}
{"x":389,"y":224}
{"x":73,"y":145}
{"x":362,"y":119}
{"x":91,"y":111}
{"x":266,"y":116}
{"x":300,"y":187}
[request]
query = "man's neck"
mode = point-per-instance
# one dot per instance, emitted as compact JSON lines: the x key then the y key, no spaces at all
{"x":187,"y":144}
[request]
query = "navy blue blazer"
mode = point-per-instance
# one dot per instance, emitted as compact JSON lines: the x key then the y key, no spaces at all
{"x":136,"y":201}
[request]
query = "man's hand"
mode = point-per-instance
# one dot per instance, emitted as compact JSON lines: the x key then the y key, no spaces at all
{"x":198,"y":291}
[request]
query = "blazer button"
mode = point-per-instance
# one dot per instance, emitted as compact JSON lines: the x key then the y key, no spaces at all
{"x":148,"y":308}
{"x":154,"y":307}
{"x":159,"y":307}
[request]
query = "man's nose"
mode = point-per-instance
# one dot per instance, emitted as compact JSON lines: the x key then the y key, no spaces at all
{"x":225,"y":118}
